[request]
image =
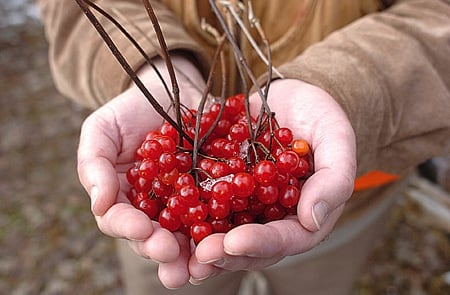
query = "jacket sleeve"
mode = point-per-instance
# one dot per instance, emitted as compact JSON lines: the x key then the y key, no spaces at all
{"x":390,"y":71}
{"x":83,"y":67}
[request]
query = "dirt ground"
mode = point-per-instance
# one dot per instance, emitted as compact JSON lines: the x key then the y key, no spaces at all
{"x":49,"y":243}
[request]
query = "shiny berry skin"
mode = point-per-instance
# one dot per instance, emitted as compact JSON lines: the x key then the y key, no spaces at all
{"x":190,"y":194}
{"x":176,"y":205}
{"x":287,"y":161}
{"x":148,"y":169}
{"x":169,"y":177}
{"x":238,"y":132}
{"x":169,"y":220}
{"x":168,"y":144}
{"x":182,"y":180}
{"x":284,"y":136}
{"x":167,"y":161}
{"x":238,"y":204}
{"x":132,"y":174}
{"x":219,"y":169}
{"x":267,"y":194}
{"x":236,"y":165}
{"x":143,"y":185}
{"x":222,"y":191}
{"x":168,"y":130}
{"x":235,"y":181}
{"x":289,"y":196}
{"x":184,"y":162}
{"x":198,"y":213}
{"x":241,"y":218}
{"x":274,"y":212}
{"x":302,"y":168}
{"x":243,"y":184}
{"x":151,"y":207}
{"x":151,"y":149}
{"x":265,"y":172}
{"x":218,"y":210}
{"x":220,"y":225}
{"x":300,"y":146}
{"x":200,"y":230}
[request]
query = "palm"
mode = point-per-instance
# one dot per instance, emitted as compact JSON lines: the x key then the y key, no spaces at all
{"x":313,"y":115}
{"x":108,"y":142}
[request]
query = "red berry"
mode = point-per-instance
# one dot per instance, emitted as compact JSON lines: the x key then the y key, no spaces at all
{"x":236,"y":165}
{"x":265,"y":172}
{"x":151,"y":207}
{"x":289,"y":196}
{"x":220,"y":225}
{"x":287,"y":161}
{"x":148,"y":169}
{"x":184,"y":162}
{"x":274,"y":212}
{"x":176,"y":205}
{"x":284,"y":136}
{"x":239,"y":132}
{"x":169,"y":177}
{"x":167,"y":161}
{"x":132,"y":174}
{"x":190,"y":194}
{"x":200,"y":230}
{"x":243,"y":184}
{"x":267,"y":194}
{"x":302,"y":168}
{"x":218,"y":210}
{"x":143,"y":185}
{"x":241,"y":218}
{"x":222,"y":191}
{"x":198,"y":213}
{"x":169,"y":220}
{"x":160,"y":189}
{"x":219,"y":169}
{"x":151,"y":149}
{"x":168,"y":130}
{"x":168,"y":144}
{"x":182,"y":180}
{"x":238,"y":204}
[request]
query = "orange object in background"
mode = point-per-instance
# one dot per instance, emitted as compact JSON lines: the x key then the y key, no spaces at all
{"x":374,"y":179}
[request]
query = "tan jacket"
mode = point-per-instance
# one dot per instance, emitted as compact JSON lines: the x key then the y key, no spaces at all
{"x":388,"y":67}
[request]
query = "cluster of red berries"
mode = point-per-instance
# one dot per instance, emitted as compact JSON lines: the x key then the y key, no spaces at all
{"x":234,"y":181}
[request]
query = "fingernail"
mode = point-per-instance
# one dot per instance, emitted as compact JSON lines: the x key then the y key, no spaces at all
{"x":197,"y":282}
{"x":216,"y":262}
{"x":201,"y":280}
{"x":319,"y":213}
{"x":94,"y":194}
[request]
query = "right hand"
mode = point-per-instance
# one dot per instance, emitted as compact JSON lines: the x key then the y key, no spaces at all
{"x":108,"y":140}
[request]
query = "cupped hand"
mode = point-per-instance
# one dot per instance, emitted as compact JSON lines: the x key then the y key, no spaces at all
{"x":109,"y":138}
{"x":311,"y":114}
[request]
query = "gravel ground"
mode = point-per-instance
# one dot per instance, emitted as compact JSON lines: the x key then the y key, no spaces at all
{"x":49,"y":243}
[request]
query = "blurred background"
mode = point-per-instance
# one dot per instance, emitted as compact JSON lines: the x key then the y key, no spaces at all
{"x":49,"y":243}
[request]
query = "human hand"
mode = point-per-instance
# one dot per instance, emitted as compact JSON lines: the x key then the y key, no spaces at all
{"x":108,"y":140}
{"x":312,"y":114}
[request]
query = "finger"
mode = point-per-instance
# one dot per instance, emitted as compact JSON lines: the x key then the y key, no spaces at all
{"x":175,"y":274}
{"x":162,"y":246}
{"x":122,"y":220}
{"x":331,"y":185}
{"x":97,"y":153}
{"x":255,"y":246}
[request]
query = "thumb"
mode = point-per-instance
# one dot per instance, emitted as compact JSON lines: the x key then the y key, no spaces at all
{"x":96,"y":171}
{"x":331,"y":185}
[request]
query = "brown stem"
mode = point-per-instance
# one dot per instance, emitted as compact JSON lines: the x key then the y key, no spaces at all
{"x":127,"y":68}
{"x":167,"y":59}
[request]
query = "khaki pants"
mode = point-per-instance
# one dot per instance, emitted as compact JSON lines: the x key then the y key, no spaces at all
{"x":330,"y":269}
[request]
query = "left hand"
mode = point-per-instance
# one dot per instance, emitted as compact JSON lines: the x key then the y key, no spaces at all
{"x":312,"y":114}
